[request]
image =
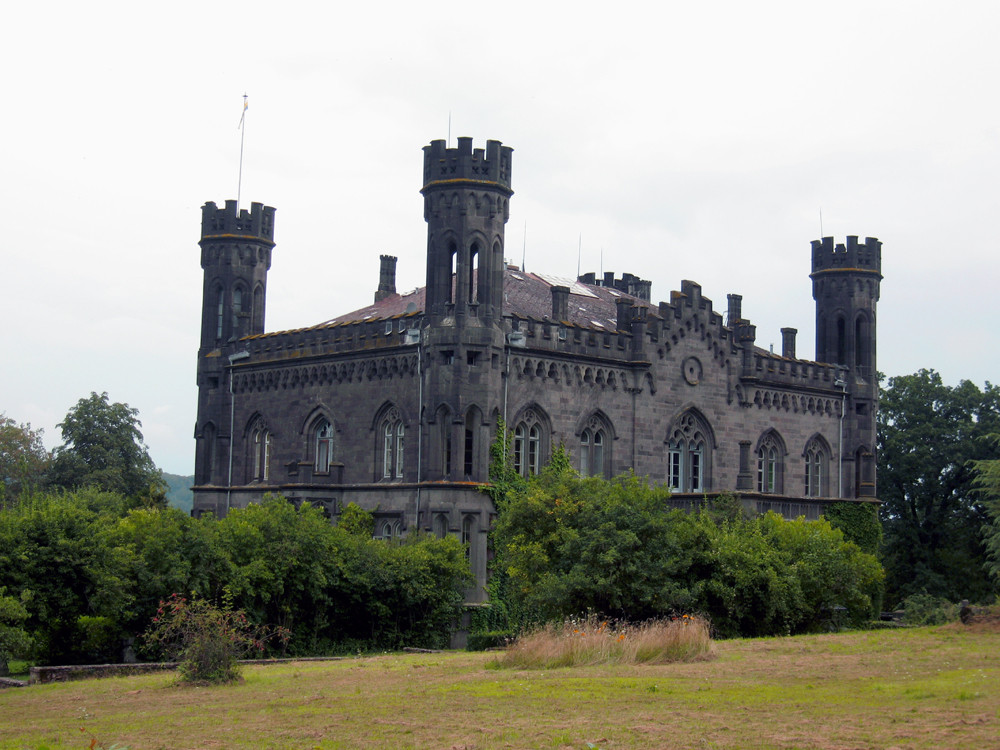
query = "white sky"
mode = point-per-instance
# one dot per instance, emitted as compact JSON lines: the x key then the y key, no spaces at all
{"x":687,"y":140}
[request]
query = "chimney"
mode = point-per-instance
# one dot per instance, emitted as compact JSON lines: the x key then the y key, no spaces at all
{"x":624,"y":314}
{"x":735,"y":311}
{"x":386,"y":277}
{"x":788,"y":342}
{"x":560,"y":303}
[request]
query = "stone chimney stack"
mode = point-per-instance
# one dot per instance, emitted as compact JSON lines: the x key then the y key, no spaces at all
{"x":788,"y":342}
{"x":560,"y":303}
{"x":386,"y":277}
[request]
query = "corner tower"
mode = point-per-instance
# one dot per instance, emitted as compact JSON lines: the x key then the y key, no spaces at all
{"x":235,"y":255}
{"x":466,"y":205}
{"x":846,"y":280}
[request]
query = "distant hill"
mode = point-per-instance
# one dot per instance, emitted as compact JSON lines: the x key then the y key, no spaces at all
{"x":179,"y":493}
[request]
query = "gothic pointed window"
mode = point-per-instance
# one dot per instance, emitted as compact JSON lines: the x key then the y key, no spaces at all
{"x":220,"y":315}
{"x":817,"y":462}
{"x":393,"y":432}
{"x":689,"y":446}
{"x":260,"y":447}
{"x":323,"y":448}
{"x":770,"y":463}
{"x":594,"y":456}
{"x":530,"y":438}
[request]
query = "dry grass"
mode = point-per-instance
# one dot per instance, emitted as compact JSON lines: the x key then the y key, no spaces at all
{"x":921,"y":688}
{"x":592,"y":641}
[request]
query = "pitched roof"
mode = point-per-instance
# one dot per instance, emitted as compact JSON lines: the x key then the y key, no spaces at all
{"x":526,"y":295}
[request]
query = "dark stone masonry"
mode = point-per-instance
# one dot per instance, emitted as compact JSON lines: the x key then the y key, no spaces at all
{"x":394,"y":406}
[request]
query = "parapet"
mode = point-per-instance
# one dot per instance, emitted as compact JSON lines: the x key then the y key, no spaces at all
{"x":853,"y":256}
{"x":443,"y":165}
{"x":228,"y":223}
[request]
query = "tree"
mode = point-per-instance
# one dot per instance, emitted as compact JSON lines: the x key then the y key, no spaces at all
{"x":929,"y":436}
{"x":103,"y":447}
{"x":23,"y":459}
{"x":988,"y":482}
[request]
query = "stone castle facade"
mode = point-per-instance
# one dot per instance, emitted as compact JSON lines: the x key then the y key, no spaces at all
{"x":394,"y":406}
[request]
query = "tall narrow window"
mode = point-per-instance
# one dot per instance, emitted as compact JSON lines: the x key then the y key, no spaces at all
{"x":392,"y":444}
{"x":473,"y":271}
{"x":468,"y":523}
{"x":689,"y":454}
{"x":261,"y":447}
{"x":221,"y":313}
{"x":770,"y":455}
{"x":592,"y":456}
{"x":529,"y":443}
{"x":841,"y":342}
{"x":237,"y":310}
{"x":816,"y":457}
{"x":324,"y":447}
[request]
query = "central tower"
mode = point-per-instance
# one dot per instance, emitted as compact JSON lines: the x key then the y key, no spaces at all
{"x":466,"y":205}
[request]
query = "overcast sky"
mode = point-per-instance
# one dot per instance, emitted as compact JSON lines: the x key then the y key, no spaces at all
{"x":689,"y":140}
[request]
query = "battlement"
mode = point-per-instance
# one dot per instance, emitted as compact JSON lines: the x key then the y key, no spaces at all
{"x":866,"y":256}
{"x":443,"y":165}
{"x":629,"y":283}
{"x":224,"y":223}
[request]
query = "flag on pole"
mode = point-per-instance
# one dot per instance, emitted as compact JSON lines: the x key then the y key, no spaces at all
{"x":243,"y":116}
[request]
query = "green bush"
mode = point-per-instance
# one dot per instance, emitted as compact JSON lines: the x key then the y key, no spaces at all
{"x":487,"y":639}
{"x":925,"y":609}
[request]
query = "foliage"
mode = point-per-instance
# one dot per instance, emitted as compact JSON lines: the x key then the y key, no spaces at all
{"x":925,"y":609}
{"x":23,"y":459}
{"x":859,"y":522}
{"x":571,"y":546}
{"x":14,"y":640}
{"x":103,"y":447}
{"x":357,"y":521}
{"x":594,"y":641}
{"x":987,"y":481}
{"x":207,"y":641}
{"x":504,"y":480}
{"x":929,"y":436}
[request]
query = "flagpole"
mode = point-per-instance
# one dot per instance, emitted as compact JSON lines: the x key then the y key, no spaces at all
{"x":243,"y":131}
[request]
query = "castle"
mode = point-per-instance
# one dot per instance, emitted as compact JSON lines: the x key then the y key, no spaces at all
{"x":394,"y":406}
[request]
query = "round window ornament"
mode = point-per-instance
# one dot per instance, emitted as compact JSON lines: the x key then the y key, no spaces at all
{"x":691,"y":368}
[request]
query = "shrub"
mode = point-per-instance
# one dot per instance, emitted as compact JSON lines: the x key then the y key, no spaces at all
{"x":925,"y":609}
{"x":206,"y":640}
{"x":591,"y":641}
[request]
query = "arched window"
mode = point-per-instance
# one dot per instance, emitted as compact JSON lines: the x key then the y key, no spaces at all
{"x":529,"y":436}
{"x":221,"y":311}
{"x":392,"y":444}
{"x":473,"y":427}
{"x":817,"y":462}
{"x":689,"y":452}
{"x":441,"y":525}
{"x":389,"y":530}
{"x":594,"y":443}
{"x":323,"y":448}
{"x":770,"y":463}
{"x":468,"y":527}
{"x":473,"y":271}
{"x":237,"y":310}
{"x":260,"y":447}
{"x":841,"y":342}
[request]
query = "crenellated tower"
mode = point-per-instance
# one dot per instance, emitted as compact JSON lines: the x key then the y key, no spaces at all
{"x":846,"y":280}
{"x":235,"y":255}
{"x":466,"y":205}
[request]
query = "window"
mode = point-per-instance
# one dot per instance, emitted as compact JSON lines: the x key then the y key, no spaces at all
{"x":817,"y":463}
{"x":389,"y":530}
{"x":468,"y":526}
{"x":392,"y":445}
{"x":528,"y":444}
{"x":261,"y":447}
{"x":324,"y":446}
{"x":688,"y":453}
{"x":593,"y":440}
{"x":770,"y":455}
{"x":221,"y":313}
{"x":440,"y":525}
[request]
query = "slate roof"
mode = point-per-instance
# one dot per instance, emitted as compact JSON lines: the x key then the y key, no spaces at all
{"x":526,"y":295}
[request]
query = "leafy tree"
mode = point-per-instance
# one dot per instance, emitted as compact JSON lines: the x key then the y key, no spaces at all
{"x":103,"y":448}
{"x":929,"y":436}
{"x":23,"y":459}
{"x":988,"y":482}
{"x":14,"y":640}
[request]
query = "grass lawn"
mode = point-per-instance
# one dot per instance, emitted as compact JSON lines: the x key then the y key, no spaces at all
{"x":921,"y":688}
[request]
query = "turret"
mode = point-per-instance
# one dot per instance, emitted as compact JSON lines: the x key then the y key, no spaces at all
{"x":846,"y":280}
{"x":466,"y":205}
{"x":235,"y":255}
